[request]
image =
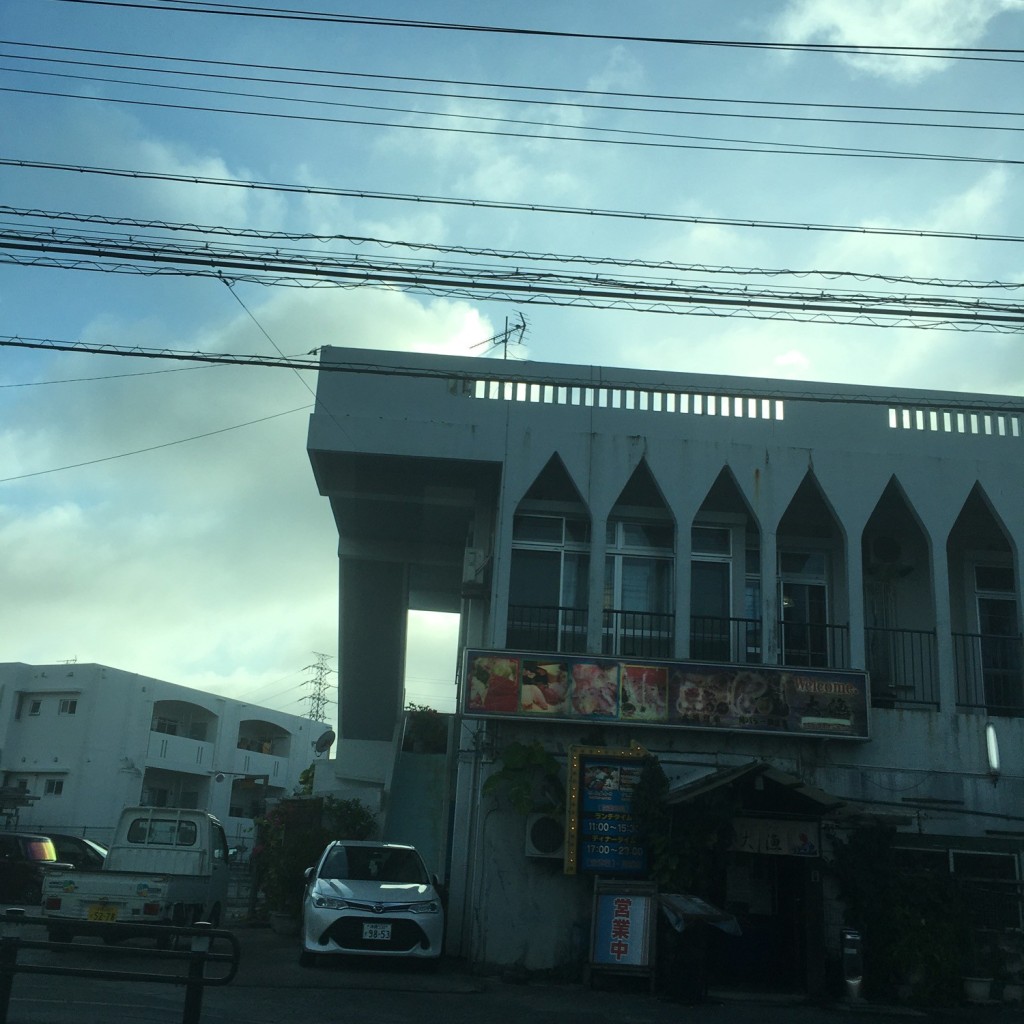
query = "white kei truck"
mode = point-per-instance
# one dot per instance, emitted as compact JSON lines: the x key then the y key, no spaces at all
{"x":166,"y":865}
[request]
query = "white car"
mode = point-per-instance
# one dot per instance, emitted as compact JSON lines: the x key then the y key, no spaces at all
{"x":370,"y":899}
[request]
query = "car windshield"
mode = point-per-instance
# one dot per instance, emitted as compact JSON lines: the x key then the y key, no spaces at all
{"x":374,"y":864}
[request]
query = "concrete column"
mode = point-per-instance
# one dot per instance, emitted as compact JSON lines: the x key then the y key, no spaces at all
{"x":681,"y":587}
{"x":595,"y":593}
{"x":944,"y":658}
{"x":371,"y":648}
{"x":769,"y":596}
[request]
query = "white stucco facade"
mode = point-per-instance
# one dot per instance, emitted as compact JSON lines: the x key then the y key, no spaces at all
{"x":816,"y":526}
{"x":87,"y":740}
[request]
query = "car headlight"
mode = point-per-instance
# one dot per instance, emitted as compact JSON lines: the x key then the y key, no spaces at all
{"x":431,"y":907}
{"x":329,"y":903}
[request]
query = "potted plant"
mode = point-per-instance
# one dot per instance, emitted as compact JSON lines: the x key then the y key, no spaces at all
{"x":426,"y":730}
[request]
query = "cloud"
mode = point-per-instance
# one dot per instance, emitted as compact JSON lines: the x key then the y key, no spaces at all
{"x":206,"y":562}
{"x":867,"y":23}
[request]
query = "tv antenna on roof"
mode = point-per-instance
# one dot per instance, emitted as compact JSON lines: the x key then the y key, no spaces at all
{"x":507,"y":336}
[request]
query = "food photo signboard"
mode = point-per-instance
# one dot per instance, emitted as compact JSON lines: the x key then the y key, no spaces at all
{"x":695,"y":695}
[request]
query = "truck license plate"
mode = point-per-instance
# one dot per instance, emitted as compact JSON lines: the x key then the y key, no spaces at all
{"x":101,"y":912}
{"x":378,"y":932}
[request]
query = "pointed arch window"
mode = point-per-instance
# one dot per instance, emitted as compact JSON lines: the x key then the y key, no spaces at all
{"x":548,"y":583}
{"x":638,"y":617}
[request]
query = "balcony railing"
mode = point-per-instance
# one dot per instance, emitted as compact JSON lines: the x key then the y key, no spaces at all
{"x":731,"y":640}
{"x":546,"y":628}
{"x":637,"y":634}
{"x":902,"y":666}
{"x":813,"y":645}
{"x":989,"y":673}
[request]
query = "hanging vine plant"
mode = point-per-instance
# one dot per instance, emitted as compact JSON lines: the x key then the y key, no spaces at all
{"x":529,"y":778}
{"x":685,"y":842}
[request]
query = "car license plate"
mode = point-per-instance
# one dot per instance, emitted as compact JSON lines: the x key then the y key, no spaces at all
{"x":101,"y":912}
{"x":377,"y":932}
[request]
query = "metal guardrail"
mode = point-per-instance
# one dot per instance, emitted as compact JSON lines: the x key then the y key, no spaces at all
{"x":201,"y":953}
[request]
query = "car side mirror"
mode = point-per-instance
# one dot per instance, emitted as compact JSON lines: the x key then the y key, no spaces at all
{"x":308,"y":874}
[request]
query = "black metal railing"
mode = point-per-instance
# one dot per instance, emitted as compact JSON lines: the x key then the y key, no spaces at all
{"x":732,"y":640}
{"x":814,"y":645}
{"x":902,"y":666}
{"x":546,"y":628}
{"x":202,"y":944}
{"x":637,"y":634}
{"x":989,"y":673}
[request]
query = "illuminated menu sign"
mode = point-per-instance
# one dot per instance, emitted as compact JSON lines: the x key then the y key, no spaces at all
{"x":608,"y":840}
{"x":686,"y":694}
{"x":603,"y":837}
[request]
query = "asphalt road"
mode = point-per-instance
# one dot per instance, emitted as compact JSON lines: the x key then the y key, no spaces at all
{"x":271,"y":988}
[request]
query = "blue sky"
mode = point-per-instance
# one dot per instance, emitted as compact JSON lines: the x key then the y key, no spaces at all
{"x":210,"y":562}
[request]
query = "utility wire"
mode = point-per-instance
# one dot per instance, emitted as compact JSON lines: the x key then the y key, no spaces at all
{"x":552,"y":287}
{"x":489,"y":204}
{"x":644,"y":140}
{"x":563,"y":259}
{"x":152,"y":448}
{"x":332,"y":73}
{"x":489,"y":371}
{"x":278,"y":13}
{"x":450,"y":95}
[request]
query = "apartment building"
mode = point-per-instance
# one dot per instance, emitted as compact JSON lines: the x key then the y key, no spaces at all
{"x":78,"y":742}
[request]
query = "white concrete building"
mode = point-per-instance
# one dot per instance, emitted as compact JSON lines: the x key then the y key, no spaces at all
{"x":806,"y":596}
{"x":83,"y":741}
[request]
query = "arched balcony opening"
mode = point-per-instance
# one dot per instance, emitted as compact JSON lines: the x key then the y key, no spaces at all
{"x":550,"y":569}
{"x":638,"y":618}
{"x":899,"y":605}
{"x":813,"y":628}
{"x":262,"y":737}
{"x":725,"y":577}
{"x":985,"y":611}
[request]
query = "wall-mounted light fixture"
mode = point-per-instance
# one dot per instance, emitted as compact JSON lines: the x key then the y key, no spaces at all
{"x":992,"y":748}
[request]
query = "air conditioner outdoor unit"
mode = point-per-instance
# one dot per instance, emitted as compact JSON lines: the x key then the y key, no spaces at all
{"x":545,"y":835}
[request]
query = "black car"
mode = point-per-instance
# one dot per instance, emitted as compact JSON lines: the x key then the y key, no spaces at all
{"x":82,"y":853}
{"x":23,"y":859}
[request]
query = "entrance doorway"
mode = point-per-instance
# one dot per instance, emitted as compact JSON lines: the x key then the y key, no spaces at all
{"x":773,"y":898}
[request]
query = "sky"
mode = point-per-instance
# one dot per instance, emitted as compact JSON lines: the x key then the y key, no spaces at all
{"x":161,"y":516}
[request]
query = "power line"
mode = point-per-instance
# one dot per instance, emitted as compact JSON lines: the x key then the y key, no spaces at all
{"x":497,"y":371}
{"x":278,"y":14}
{"x":518,"y":87}
{"x":510,"y":284}
{"x":653,"y":140}
{"x":150,"y":448}
{"x":490,"y":204}
{"x":450,"y":95}
{"x":211,"y":230}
